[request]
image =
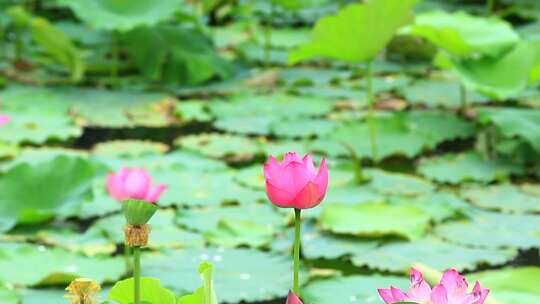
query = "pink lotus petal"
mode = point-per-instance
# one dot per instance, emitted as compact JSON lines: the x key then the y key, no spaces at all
{"x":272,"y":169}
{"x":308,"y":197}
{"x":455,"y":285}
{"x":294,"y":177}
{"x":114,"y":186}
{"x":451,"y":290}
{"x":308,"y":162}
{"x":419,"y":290}
{"x":133,"y":184}
{"x":438,"y":295}
{"x":397,"y":294}
{"x":4,"y":119}
{"x":291,"y":157}
{"x":322,"y":180}
{"x":279,"y":197}
{"x":481,"y":292}
{"x":292,"y":298}
{"x":137,"y":184}
{"x":386,"y":295}
{"x":154,"y":193}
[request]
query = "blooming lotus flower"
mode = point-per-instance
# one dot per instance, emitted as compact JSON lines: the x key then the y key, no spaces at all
{"x":133,"y":184}
{"x":4,"y":119}
{"x":452,"y":289}
{"x":292,"y":298}
{"x":295,"y":183}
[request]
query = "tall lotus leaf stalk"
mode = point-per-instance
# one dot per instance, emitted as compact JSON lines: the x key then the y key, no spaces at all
{"x":490,"y":7}
{"x":370,"y":117}
{"x":359,"y":177}
{"x":133,"y":187}
{"x":115,"y":58}
{"x":295,"y":183}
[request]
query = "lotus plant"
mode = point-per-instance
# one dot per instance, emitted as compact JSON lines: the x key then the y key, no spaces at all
{"x":133,"y":187}
{"x":452,"y":289}
{"x":295,"y":183}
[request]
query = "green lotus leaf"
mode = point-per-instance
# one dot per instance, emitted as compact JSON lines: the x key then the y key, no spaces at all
{"x":122,"y":15}
{"x":357,"y":33}
{"x":465,"y":35}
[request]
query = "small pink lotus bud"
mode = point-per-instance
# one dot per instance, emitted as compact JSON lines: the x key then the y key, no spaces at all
{"x":295,"y":183}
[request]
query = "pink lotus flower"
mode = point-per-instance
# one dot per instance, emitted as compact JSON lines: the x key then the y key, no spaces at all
{"x":452,"y":289}
{"x":292,"y":298}
{"x":295,"y":183}
{"x":4,"y":119}
{"x":133,"y":184}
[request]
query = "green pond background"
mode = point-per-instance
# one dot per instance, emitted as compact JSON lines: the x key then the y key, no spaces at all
{"x":199,"y":92}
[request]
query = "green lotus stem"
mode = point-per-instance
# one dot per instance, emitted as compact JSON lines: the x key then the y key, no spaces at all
{"x":297,"y":223}
{"x":490,"y":6}
{"x":127,"y":258}
{"x":359,"y":177}
{"x":115,"y":59}
{"x":463,"y":97}
{"x":268,"y":36}
{"x":137,"y":275}
{"x":19,"y":44}
{"x":370,"y":118}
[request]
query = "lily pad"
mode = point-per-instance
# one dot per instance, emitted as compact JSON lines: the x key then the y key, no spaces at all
{"x":29,"y":127}
{"x":511,"y":285}
{"x":456,"y":168}
{"x":220,"y":145}
{"x":505,"y":197}
{"x":432,"y":252}
{"x":317,"y":244}
{"x":303,"y":127}
{"x":36,"y":193}
{"x":398,"y":183}
{"x":91,"y":243}
{"x":195,"y":188}
{"x":396,"y":134}
{"x":265,"y":106}
{"x":23,"y":264}
{"x":312,"y":77}
{"x":192,"y":110}
{"x":514,"y":122}
{"x":438,"y":93}
{"x":202,"y":220}
{"x":375,"y":219}
{"x":234,"y":233}
{"x":245,"y":125}
{"x":129,"y":148}
{"x":350,"y":289}
{"x":493,"y":230}
{"x":239,"y":274}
